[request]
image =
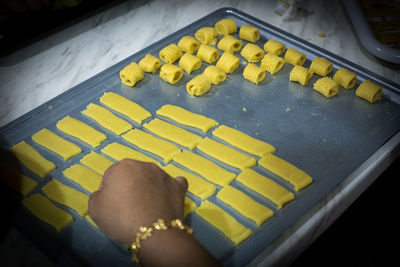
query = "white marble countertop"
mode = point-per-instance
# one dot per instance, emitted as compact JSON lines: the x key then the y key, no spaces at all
{"x":45,"y":69}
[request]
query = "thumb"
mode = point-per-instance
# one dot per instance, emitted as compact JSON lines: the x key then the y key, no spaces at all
{"x":183,"y":183}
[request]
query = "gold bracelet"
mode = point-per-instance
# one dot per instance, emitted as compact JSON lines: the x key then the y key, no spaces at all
{"x":146,"y":232}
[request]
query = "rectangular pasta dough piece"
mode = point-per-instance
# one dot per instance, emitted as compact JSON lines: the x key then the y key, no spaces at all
{"x":245,"y":204}
{"x":107,"y":119}
{"x":205,"y":168}
{"x":85,"y":177}
{"x":243,"y":141}
{"x":265,"y":187}
{"x":125,"y":106}
{"x":42,"y":208}
{"x":67,"y":196}
{"x":81,"y":130}
{"x":186,"y":117}
{"x":173,"y":133}
{"x":298,"y":178}
{"x":197,"y":186}
{"x":226,"y":154}
{"x":152,"y":144}
{"x":16,"y":180}
{"x":32,"y":159}
{"x":189,"y":207}
{"x":96,"y":162}
{"x":56,"y":144}
{"x":224,"y":222}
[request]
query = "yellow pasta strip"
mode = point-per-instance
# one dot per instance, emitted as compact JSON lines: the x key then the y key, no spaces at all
{"x":207,"y":35}
{"x":16,"y":180}
{"x":294,"y":57}
{"x":170,"y":53}
{"x":120,"y":152}
{"x":243,"y":141}
{"x":205,"y":168}
{"x":197,"y":186}
{"x":321,"y":66}
{"x":369,"y":91}
{"x":189,"y":206}
{"x":186,"y":117}
{"x":274,"y":47}
{"x":96,"y":162}
{"x":124,"y":106}
{"x":88,"y":179}
{"x":188,"y":44}
{"x":81,"y":131}
{"x":345,"y":78}
{"x":298,"y":178}
{"x":131,"y":74}
{"x":252,"y":52}
{"x":226,"y":26}
{"x":326,"y":86}
{"x":224,"y":222}
{"x":214,"y":74}
{"x":265,"y":187}
{"x":150,"y":63}
{"x":254,"y":73}
{"x":226,"y":154}
{"x":32,"y":159}
{"x":198,"y":86}
{"x":249,"y":33}
{"x":245,"y":204}
{"x":107,"y":119}
{"x":272,"y":63}
{"x":300,"y":74}
{"x":42,"y":208}
{"x":67,"y":196}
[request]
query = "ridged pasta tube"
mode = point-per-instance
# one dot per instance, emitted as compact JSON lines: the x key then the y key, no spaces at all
{"x":207,"y":35}
{"x":228,"y":62}
{"x":214,"y":75}
{"x":198,"y":86}
{"x":249,"y":33}
{"x":252,"y":53}
{"x":345,"y":78}
{"x":326,"y":86}
{"x":170,"y":53}
{"x":150,"y":63}
{"x":272,"y":63}
{"x":294,"y":57}
{"x":131,"y":74}
{"x":369,"y":91}
{"x":189,"y":63}
{"x":230,"y":44}
{"x":208,"y":54}
{"x":226,"y":26}
{"x":321,"y":66}
{"x":188,"y":44}
{"x":171,"y":73}
{"x":300,"y":74}
{"x":253,"y":73}
{"x":274,"y":47}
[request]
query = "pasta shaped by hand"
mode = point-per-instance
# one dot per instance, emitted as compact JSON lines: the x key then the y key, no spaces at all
{"x":230,"y":44}
{"x":369,"y":91}
{"x":214,"y":75}
{"x":321,"y":66}
{"x":206,"y":35}
{"x":188,"y":44}
{"x":226,"y":26}
{"x":326,"y":86}
{"x":254,"y":73}
{"x":272,"y":63}
{"x":274,"y":47}
{"x":131,"y":74}
{"x":300,"y":74}
{"x":171,"y":73}
{"x":228,"y":62}
{"x":294,"y":57}
{"x":252,"y":53}
{"x":170,"y":53}
{"x":189,"y":63}
{"x":249,"y":33}
{"x":345,"y":78}
{"x":150,"y":63}
{"x":198,"y":86}
{"x":208,"y":54}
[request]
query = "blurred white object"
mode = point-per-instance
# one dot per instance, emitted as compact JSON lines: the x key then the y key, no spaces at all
{"x":288,"y":9}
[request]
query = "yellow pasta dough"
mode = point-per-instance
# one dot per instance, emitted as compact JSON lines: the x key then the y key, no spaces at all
{"x":81,"y":131}
{"x":298,"y":178}
{"x":125,"y":106}
{"x":56,"y":144}
{"x":189,"y":207}
{"x":205,"y":168}
{"x":230,"y":44}
{"x":345,"y":78}
{"x":208,"y":54}
{"x":224,"y":222}
{"x":321,"y":66}
{"x":326,"y":86}
{"x":252,"y":53}
{"x":198,"y":86}
{"x":16,"y":180}
{"x":88,"y":179}
{"x":186,"y":117}
{"x":171,"y":73}
{"x":67,"y":196}
{"x":254,"y":73}
{"x":274,"y":47}
{"x":214,"y":75}
{"x":150,"y":63}
{"x":243,"y":141}
{"x":188,"y":44}
{"x":152,"y":144}
{"x":96,"y":162}
{"x":197,"y":186}
{"x":369,"y":91}
{"x":300,"y":74}
{"x":245,"y":204}
{"x":294,"y":57}
{"x":272,"y":63}
{"x":228,"y":62}
{"x":226,"y":26}
{"x":131,"y":74}
{"x":120,"y":152}
{"x":206,"y":35}
{"x":189,"y":63}
{"x":173,"y":133}
{"x":32,"y":159}
{"x":170,"y":53}
{"x":265,"y":187}
{"x":107,"y":119}
{"x":249,"y":33}
{"x":226,"y":154}
{"x":42,"y":208}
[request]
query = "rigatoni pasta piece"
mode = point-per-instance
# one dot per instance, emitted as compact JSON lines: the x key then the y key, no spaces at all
{"x":249,"y":33}
{"x":294,"y":57}
{"x":272,"y":63}
{"x":189,"y":63}
{"x":96,"y":162}
{"x":228,"y":62}
{"x":120,"y":152}
{"x":171,"y":73}
{"x":321,"y":66}
{"x":254,"y":73}
{"x":88,"y":179}
{"x":189,"y":207}
{"x":150,"y":63}
{"x":230,"y":44}
{"x":226,"y":26}
{"x":16,"y":180}
{"x":188,"y":44}
{"x":207,"y":35}
{"x":131,"y":74}
{"x":198,"y":86}
{"x":274,"y":47}
{"x":170,"y":53}
{"x":369,"y":91}
{"x":214,"y":75}
{"x":300,"y":74}
{"x":326,"y":86}
{"x":208,"y":54}
{"x":345,"y":78}
{"x":252,"y":52}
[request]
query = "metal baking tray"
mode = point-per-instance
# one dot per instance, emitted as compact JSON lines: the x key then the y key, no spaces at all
{"x":327,"y":138}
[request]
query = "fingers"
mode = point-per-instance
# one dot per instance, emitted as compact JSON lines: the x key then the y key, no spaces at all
{"x":183,"y":183}
{"x":93,"y":199}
